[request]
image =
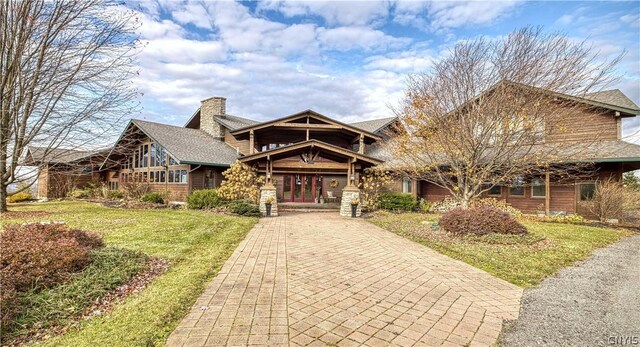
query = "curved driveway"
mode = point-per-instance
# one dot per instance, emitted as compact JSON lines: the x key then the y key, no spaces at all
{"x":320,"y":279}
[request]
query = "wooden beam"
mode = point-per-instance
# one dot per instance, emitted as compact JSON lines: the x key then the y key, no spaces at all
{"x":361,"y":144}
{"x":308,"y":125}
{"x":299,"y":165}
{"x":252,"y":145}
{"x":547,"y":193}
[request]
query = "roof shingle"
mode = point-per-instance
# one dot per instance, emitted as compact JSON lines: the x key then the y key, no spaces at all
{"x":191,"y":146}
{"x":613,"y":97}
{"x":373,"y":125}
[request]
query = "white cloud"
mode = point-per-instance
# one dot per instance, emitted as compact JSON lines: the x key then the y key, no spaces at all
{"x":410,"y":61}
{"x":192,"y":13}
{"x":348,"y":38}
{"x":182,"y":50}
{"x":335,"y":13}
{"x":460,"y":13}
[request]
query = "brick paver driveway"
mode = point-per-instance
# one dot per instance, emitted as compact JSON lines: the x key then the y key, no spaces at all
{"x":320,"y":279}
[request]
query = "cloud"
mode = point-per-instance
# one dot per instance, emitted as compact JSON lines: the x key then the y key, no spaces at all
{"x":334,"y":13}
{"x":410,"y":61}
{"x":349,"y":38}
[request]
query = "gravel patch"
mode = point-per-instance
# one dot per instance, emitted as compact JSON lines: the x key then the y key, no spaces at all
{"x":584,"y":305}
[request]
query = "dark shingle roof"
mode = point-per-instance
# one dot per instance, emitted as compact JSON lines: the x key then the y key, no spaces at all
{"x":233,"y":122}
{"x":373,"y":125}
{"x":37,"y":155}
{"x":613,"y":97}
{"x":186,"y":145}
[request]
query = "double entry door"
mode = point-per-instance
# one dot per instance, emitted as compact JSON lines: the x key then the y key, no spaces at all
{"x":301,"y":188}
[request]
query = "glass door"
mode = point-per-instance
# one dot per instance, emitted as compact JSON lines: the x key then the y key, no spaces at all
{"x":287,"y":188}
{"x":298,"y":188}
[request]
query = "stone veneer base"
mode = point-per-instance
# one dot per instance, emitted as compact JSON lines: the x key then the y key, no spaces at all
{"x":265,"y":193}
{"x":349,"y":194}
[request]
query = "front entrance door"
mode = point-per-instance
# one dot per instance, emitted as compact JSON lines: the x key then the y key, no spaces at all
{"x":301,"y":188}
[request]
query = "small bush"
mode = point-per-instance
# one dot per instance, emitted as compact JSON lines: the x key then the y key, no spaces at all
{"x":244,"y":208}
{"x":501,"y":205}
{"x":424,"y":205}
{"x":153,"y":197}
{"x":608,"y":200}
{"x":21,"y":196}
{"x":115,"y":194}
{"x":397,"y":202}
{"x":42,"y":255}
{"x":480,"y":221}
{"x":81,"y":194}
{"x":205,"y":198}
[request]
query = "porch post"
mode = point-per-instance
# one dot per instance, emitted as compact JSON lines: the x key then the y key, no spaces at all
{"x":268,"y":192}
{"x":547,"y":193}
{"x":251,"y":142}
{"x":350,"y":193}
{"x":361,"y":144}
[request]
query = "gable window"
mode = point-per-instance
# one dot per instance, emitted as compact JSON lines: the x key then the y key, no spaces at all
{"x":538,"y":188}
{"x":495,"y":191}
{"x":587,"y":190}
{"x":406,"y":185}
{"x":517,"y":187}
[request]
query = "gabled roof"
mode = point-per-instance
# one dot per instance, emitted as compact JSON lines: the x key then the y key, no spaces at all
{"x":613,"y":97}
{"x":312,"y":143}
{"x":187,"y":146}
{"x":302,"y":114}
{"x":41,"y":155}
{"x":374,"y":125}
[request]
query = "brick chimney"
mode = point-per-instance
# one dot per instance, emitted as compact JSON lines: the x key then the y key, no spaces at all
{"x":209,"y":108}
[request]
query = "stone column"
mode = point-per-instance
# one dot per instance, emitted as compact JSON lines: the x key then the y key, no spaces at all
{"x":267,"y":191}
{"x":349,"y":193}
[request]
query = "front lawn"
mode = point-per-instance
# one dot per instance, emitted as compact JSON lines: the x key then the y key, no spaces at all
{"x":521,"y":260}
{"x":195,"y":243}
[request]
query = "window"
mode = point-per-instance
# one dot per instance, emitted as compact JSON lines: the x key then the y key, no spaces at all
{"x":495,"y":190}
{"x":183,"y":176}
{"x":586,"y":191}
{"x":172,"y":161}
{"x":162,"y":176}
{"x":517,"y":187}
{"x":145,"y":155}
{"x":152,"y":155}
{"x":538,"y":188}
{"x":406,"y":185}
{"x":170,"y":176}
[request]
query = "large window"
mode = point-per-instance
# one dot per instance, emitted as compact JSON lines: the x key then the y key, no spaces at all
{"x":517,"y":187}
{"x":406,"y":185}
{"x":587,"y":190}
{"x":538,"y":188}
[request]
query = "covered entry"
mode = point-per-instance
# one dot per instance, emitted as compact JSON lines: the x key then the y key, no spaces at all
{"x":310,"y":171}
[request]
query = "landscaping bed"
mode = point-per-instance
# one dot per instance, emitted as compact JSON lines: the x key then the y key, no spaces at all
{"x":523,"y":260}
{"x":140,"y":310}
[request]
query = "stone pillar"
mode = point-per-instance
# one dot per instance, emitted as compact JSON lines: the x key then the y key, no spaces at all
{"x":267,"y":191}
{"x":350,"y":193}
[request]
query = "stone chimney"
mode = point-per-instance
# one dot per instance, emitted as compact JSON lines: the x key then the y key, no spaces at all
{"x":209,"y":108}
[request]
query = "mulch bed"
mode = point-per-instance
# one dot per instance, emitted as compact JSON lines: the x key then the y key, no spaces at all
{"x":104,"y":305}
{"x":24,"y":214}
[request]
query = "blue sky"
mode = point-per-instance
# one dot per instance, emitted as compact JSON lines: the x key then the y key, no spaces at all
{"x":345,"y":59}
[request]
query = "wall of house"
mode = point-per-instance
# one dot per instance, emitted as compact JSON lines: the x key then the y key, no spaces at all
{"x":43,"y":182}
{"x":585,"y":125}
{"x":197,"y":176}
{"x":57,"y":182}
{"x":278,"y":181}
{"x":242,"y":145}
{"x":563,"y":196}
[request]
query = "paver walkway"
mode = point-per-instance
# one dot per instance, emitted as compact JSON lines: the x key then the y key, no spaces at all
{"x":320,"y":279}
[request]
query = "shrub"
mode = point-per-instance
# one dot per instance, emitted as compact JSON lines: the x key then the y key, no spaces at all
{"x":205,"y":198}
{"x":480,"y":221}
{"x":152,"y":197}
{"x":568,"y":219}
{"x":135,"y":189}
{"x":114,"y":194}
{"x":607,"y":201}
{"x":80,"y":194}
{"x":244,"y":208}
{"x":501,"y":205}
{"x":424,"y":205}
{"x":21,"y":196}
{"x":445,"y":205}
{"x":42,"y":255}
{"x":397,"y":202}
{"x":371,"y":184}
{"x":241,"y":183}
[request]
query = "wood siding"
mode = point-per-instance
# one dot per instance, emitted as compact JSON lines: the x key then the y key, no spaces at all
{"x":586,"y":127}
{"x":241,"y":145}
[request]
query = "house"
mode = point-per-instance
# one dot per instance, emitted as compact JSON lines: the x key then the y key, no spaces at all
{"x":61,"y":170}
{"x":308,"y":157}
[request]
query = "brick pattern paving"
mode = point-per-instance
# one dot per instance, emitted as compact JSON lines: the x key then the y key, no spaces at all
{"x":321,"y":279}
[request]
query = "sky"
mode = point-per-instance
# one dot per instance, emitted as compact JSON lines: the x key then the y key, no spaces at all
{"x":348,"y":60}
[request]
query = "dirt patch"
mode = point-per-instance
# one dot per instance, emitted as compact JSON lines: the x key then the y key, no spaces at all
{"x":24,"y":214}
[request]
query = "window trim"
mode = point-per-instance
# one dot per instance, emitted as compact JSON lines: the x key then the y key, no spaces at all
{"x":409,"y":182}
{"x":544,"y":184}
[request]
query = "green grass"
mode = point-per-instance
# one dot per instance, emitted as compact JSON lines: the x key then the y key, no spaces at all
{"x":196,"y":243}
{"x":58,"y":306}
{"x":521,"y":260}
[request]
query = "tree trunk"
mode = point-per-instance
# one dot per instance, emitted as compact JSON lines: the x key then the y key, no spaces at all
{"x":3,"y":198}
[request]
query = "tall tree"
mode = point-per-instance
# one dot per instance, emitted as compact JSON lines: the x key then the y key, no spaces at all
{"x":66,"y":71}
{"x":494,"y":110}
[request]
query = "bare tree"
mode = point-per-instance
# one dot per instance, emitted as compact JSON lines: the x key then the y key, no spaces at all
{"x":492,"y":111}
{"x":65,"y":76}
